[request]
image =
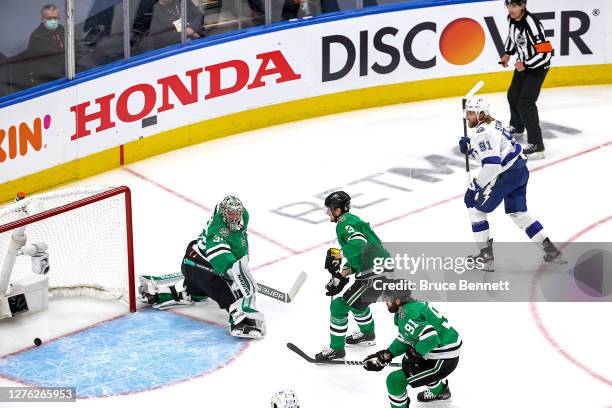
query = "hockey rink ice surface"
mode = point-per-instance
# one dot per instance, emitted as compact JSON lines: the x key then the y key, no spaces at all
{"x":514,"y":354}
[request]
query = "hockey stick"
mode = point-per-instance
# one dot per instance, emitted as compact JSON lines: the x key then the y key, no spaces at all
{"x":311,"y":360}
{"x":472,"y":92}
{"x":282,"y":296}
{"x":265,"y":290}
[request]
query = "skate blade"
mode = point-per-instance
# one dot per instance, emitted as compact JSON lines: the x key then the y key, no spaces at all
{"x":248,"y":333}
{"x":558,"y":261}
{"x":487,"y":268}
{"x":436,"y":402}
{"x":251,"y":335}
{"x":536,"y":156}
{"x":362,"y":344}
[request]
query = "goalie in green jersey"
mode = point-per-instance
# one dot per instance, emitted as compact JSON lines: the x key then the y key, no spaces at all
{"x":215,"y":265}
{"x":360,"y":246}
{"x":430,"y":347}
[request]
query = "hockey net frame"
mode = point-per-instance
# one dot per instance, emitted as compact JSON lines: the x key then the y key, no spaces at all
{"x":93,"y":290}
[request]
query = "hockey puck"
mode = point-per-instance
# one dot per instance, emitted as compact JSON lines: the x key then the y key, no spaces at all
{"x":37,"y":342}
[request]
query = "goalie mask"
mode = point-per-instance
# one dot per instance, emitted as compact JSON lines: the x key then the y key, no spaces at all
{"x":284,"y":399}
{"x":231,"y":210}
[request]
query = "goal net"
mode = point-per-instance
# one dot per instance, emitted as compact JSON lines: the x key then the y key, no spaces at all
{"x":88,"y":235}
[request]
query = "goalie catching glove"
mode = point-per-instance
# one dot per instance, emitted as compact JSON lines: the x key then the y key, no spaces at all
{"x":377,"y":361}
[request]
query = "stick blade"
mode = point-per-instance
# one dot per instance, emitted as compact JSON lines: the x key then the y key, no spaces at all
{"x":300,"y":353}
{"x":296,"y":286}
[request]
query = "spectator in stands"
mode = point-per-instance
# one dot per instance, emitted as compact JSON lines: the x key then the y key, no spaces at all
{"x":166,"y":22}
{"x":299,"y":9}
{"x":46,"y":47}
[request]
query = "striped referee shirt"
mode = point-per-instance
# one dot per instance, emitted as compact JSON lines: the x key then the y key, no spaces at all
{"x":527,"y":39}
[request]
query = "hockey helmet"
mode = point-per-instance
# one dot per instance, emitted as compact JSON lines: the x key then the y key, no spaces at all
{"x":338,"y":199}
{"x":285,"y":399}
{"x":404,"y":296}
{"x":477,"y":104}
{"x":231,"y":210}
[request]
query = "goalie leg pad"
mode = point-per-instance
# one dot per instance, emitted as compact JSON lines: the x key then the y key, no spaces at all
{"x":244,"y":283}
{"x":245,"y":322}
{"x":165,"y":292}
{"x":242,"y":277}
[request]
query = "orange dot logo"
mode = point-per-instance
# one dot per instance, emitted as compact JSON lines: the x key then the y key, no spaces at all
{"x":462,"y":41}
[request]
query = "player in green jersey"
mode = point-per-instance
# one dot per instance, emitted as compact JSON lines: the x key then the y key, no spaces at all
{"x":430,"y":347}
{"x":360,"y":246}
{"x":215,"y":265}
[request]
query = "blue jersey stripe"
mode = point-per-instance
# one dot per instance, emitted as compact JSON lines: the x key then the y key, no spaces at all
{"x":491,"y":160}
{"x":510,"y":156}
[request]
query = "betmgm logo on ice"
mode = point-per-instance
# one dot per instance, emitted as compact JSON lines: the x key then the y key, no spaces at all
{"x":412,"y":265}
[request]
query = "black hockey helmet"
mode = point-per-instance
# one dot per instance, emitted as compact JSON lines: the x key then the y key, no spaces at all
{"x":515,"y":2}
{"x":338,"y":199}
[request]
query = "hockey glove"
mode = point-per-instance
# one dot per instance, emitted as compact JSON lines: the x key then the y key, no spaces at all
{"x":377,"y":361}
{"x":464,"y":145}
{"x":333,"y":261}
{"x":471,"y":194}
{"x":411,"y":363}
{"x":335,"y":285}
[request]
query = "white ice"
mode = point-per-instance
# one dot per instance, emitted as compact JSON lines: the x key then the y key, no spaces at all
{"x":506,"y":360}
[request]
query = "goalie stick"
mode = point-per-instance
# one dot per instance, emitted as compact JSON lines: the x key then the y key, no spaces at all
{"x":306,"y":357}
{"x":472,"y":92}
{"x":265,"y":290}
{"x":282,"y":296}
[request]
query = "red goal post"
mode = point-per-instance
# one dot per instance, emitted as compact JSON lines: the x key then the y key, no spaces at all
{"x":88,"y":231}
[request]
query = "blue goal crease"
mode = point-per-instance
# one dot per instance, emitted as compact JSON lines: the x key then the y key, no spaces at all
{"x":137,"y":352}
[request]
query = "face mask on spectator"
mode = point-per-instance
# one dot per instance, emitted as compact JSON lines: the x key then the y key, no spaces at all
{"x":52,"y":24}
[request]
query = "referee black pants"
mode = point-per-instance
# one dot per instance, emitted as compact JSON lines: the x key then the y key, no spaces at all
{"x":522,"y":97}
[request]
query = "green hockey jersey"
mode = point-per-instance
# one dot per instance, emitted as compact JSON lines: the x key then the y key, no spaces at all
{"x":424,"y":328}
{"x":359,"y":244}
{"x":221,"y":247}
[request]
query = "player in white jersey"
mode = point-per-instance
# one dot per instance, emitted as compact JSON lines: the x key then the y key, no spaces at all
{"x":503,"y":177}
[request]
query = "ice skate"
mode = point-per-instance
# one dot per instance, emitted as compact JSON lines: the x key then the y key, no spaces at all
{"x":484,"y":258}
{"x":428,"y":396}
{"x":359,"y":339}
{"x":329,"y":354}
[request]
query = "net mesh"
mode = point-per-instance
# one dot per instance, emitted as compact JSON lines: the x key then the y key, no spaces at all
{"x":87,"y":246}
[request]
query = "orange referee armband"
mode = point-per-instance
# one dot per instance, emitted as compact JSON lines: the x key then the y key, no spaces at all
{"x":542,"y":47}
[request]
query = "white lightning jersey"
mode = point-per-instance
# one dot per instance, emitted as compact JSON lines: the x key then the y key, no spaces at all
{"x":495,"y":149}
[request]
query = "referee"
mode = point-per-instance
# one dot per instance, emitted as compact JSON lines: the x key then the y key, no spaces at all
{"x":527,"y":40}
